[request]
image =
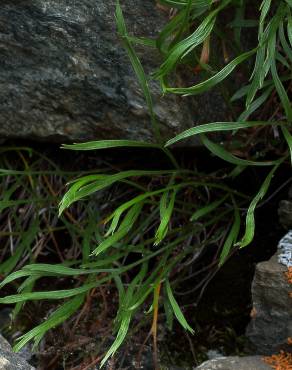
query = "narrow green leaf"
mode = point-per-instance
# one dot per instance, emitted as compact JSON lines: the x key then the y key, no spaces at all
{"x":122,"y":231}
{"x":168,"y":31}
{"x":217,"y":126}
{"x":54,"y":294}
{"x":56,"y":318}
{"x":185,"y":46}
{"x":50,"y":270}
{"x":255,"y":104}
{"x":250,"y":221}
{"x":212,"y":81}
{"x":289,"y":29}
{"x":88,"y":185}
{"x":281,"y":92}
{"x":123,"y":330}
{"x":264,"y":8}
{"x":138,"y":68}
{"x":166,"y":209}
{"x":176,"y":309}
{"x":220,"y":152}
{"x":286,"y":47}
{"x":105,"y":144}
{"x":231,"y":238}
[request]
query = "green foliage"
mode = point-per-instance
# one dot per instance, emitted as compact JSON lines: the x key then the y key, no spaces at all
{"x":176,"y":309}
{"x":159,"y":221}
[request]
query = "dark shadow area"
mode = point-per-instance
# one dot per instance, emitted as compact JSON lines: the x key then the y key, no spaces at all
{"x":221,"y":311}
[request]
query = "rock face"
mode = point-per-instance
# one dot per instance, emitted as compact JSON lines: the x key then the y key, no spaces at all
{"x":271,"y":322}
{"x":285,"y":211}
{"x":235,"y":363}
{"x":285,"y":250}
{"x":10,"y":360}
{"x":64,"y":74}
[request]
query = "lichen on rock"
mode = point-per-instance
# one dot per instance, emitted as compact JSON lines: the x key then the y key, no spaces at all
{"x":285,"y":250}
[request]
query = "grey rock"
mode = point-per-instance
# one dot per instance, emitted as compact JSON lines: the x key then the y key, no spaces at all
{"x":235,"y":363}
{"x":4,"y":345}
{"x":285,"y":211}
{"x":214,"y":353}
{"x":65,"y":76}
{"x":10,"y":360}
{"x":271,"y":322}
{"x":285,"y":250}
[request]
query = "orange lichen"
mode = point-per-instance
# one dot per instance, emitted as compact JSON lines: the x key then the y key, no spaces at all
{"x":282,"y":361}
{"x":288,"y":275}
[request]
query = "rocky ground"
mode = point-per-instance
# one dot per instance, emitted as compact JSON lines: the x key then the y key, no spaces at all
{"x":10,"y":360}
{"x":235,"y":363}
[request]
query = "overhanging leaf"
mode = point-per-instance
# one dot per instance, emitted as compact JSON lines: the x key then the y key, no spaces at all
{"x":231,"y":238}
{"x":250,"y":220}
{"x":220,"y":152}
{"x":217,"y":127}
{"x":176,"y":309}
{"x":106,"y":144}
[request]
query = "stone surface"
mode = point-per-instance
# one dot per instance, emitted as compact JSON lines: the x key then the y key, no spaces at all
{"x":65,"y":76}
{"x":285,"y":250}
{"x":285,"y":211}
{"x":235,"y":363}
{"x":10,"y":360}
{"x":271,"y":322}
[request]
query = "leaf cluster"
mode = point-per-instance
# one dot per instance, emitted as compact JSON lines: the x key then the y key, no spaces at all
{"x":162,"y":224}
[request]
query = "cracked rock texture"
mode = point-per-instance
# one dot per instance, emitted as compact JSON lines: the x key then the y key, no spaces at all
{"x":271,"y":322}
{"x":64,"y":75}
{"x":10,"y":360}
{"x":235,"y":363}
